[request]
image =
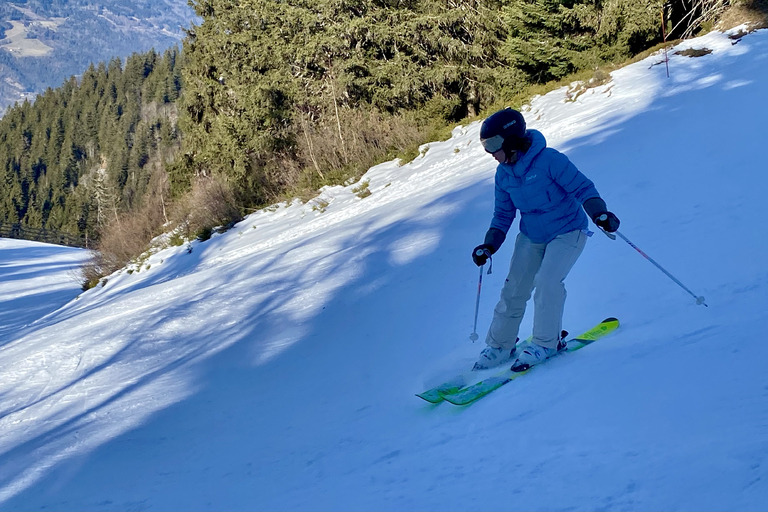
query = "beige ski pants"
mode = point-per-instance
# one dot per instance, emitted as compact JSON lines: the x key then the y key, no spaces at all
{"x":543,"y":267}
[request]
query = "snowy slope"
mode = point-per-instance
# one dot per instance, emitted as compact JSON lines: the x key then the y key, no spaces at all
{"x":274,"y":366}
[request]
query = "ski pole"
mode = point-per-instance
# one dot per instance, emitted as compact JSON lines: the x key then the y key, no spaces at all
{"x":699,"y":298}
{"x":480,"y":252}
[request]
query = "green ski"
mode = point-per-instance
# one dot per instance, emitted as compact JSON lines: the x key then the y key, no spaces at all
{"x":469,"y":394}
{"x":435,"y":395}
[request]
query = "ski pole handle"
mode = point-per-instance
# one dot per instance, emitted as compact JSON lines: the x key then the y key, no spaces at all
{"x":487,"y":254}
{"x":609,"y":235}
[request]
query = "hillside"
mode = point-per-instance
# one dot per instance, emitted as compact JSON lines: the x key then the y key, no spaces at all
{"x":274,"y":366}
{"x":44,"y":43}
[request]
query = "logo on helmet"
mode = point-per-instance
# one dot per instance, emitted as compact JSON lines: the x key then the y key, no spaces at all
{"x":514,"y":121}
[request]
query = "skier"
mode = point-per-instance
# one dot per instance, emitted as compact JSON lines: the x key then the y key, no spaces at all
{"x":552,"y":196}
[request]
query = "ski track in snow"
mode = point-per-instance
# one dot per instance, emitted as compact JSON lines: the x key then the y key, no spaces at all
{"x":274,"y":366}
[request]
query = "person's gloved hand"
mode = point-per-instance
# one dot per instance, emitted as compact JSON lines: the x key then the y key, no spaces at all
{"x":607,"y":220}
{"x":481,"y":253}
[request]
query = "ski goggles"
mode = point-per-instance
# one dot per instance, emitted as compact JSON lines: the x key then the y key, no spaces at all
{"x":492,"y":144}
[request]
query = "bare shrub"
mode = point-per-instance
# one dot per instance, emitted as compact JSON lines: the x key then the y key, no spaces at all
{"x":699,"y":13}
{"x":211,"y":202}
{"x":352,"y":141}
{"x":125,"y":236}
{"x":129,"y":235}
{"x":93,"y":270}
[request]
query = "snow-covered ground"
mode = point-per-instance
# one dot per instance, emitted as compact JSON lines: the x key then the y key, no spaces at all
{"x":274,"y":367}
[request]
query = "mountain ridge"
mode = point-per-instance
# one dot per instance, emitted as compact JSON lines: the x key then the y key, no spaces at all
{"x":43,"y":45}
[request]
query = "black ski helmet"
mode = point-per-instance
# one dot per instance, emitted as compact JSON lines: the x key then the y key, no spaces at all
{"x":505,"y":130}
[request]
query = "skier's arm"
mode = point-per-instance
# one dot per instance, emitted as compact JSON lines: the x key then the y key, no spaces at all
{"x":579,"y":186}
{"x":504,"y":212}
{"x":570,"y":179}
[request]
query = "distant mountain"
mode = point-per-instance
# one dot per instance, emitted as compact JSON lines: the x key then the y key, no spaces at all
{"x":44,"y":42}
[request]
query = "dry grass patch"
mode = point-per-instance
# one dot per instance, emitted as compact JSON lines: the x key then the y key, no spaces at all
{"x":754,"y":13}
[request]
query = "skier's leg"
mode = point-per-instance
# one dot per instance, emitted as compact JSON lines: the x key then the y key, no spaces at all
{"x":549,"y":299}
{"x":517,"y":289}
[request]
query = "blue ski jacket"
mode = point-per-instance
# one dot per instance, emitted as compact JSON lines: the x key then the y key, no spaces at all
{"x":547,"y":189}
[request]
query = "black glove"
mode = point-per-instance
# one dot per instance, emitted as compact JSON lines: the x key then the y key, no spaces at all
{"x":607,"y":220}
{"x":481,"y":253}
